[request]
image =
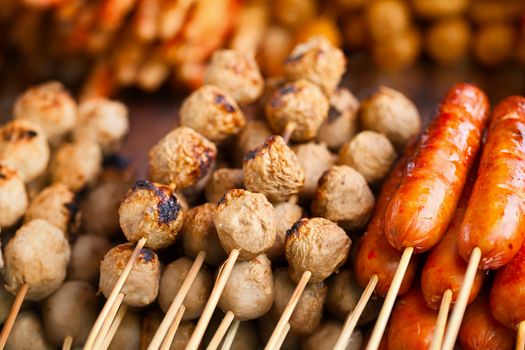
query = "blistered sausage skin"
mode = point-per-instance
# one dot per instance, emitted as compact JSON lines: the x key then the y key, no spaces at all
{"x":412,"y":323}
{"x":375,"y":256}
{"x":479,"y":330}
{"x":426,"y":199}
{"x":494,"y":220}
{"x":507,"y":297}
{"x":445,"y":268}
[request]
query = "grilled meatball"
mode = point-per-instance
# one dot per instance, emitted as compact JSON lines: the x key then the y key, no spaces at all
{"x":236,"y":73}
{"x":49,"y":106}
{"x":28,"y":333}
{"x":199,"y":234}
{"x":70,"y":311}
{"x":318,"y":61}
{"x":38,"y":255}
{"x":344,"y":197}
{"x":245,"y":221}
{"x":86,"y":254}
{"x":315,"y":159}
{"x":171,"y":281}
{"x":152,"y":211}
{"x":222,"y":180}
{"x":212,"y":112}
{"x":249,"y":290}
{"x":316,"y":245}
{"x":24,"y":148}
{"x":299,"y":102}
{"x":182,"y":157}
{"x":13,"y":197}
{"x":142,"y":286}
{"x":273,"y":170}
{"x":102,"y":121}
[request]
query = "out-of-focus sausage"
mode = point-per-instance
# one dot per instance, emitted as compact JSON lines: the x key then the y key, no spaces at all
{"x":494,"y":219}
{"x":507,"y":297}
{"x":411,"y":323}
{"x":480,"y":330}
{"x":426,"y":199}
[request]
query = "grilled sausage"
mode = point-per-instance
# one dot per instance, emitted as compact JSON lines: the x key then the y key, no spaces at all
{"x":494,"y":219}
{"x":426,"y":199}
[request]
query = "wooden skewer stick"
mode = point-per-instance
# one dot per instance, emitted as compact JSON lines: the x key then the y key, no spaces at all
{"x":288,"y":131}
{"x":174,"y":308}
{"x":281,"y":339}
{"x":13,"y":313}
{"x":520,"y":342}
{"x":288,"y":310}
{"x":441,"y":323}
{"x":114,"y":326}
{"x":228,"y":340}
{"x":221,"y":331}
{"x":216,"y":292}
{"x":353,"y":317}
{"x":114,"y":294}
{"x":388,"y":304}
{"x":166,"y":343}
{"x":68,"y":342}
{"x":462,"y":300}
{"x":102,"y":334}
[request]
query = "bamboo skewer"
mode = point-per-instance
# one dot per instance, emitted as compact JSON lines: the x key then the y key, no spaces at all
{"x":13,"y":313}
{"x":106,"y":325}
{"x":228,"y":340}
{"x":388,"y":304}
{"x":281,"y":339}
{"x":114,"y":327}
{"x":520,"y":341}
{"x":68,"y":342}
{"x":166,"y":343}
{"x":221,"y":331}
{"x":441,"y":323}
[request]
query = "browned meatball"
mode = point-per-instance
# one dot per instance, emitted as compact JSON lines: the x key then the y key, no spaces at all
{"x":212,"y":112}
{"x":447,"y":41}
{"x":273,"y":170}
{"x":102,"y":121}
{"x":343,"y":196}
{"x":316,"y":245}
{"x":28,"y":333}
{"x":387,"y":19}
{"x":327,"y":334}
{"x":152,"y":211}
{"x":371,"y":154}
{"x":199,"y":234}
{"x":436,"y":9}
{"x":399,"y":52}
{"x":318,"y":61}
{"x":309,"y":310}
{"x":248,"y":293}
{"x":13,"y":197}
{"x":128,"y":333}
{"x":343,"y":295}
{"x":38,"y":255}
{"x":56,"y":204}
{"x":70,"y":311}
{"x":494,"y":44}
{"x":24,"y":148}
{"x":222,"y":180}
{"x":142,"y":286}
{"x":391,"y":113}
{"x":294,"y":13}
{"x":182,"y":157}
{"x":315,"y":159}
{"x":171,"y":280}
{"x":86,"y":254}
{"x":286,"y":214}
{"x":254,"y":133}
{"x":236,"y":73}
{"x":50,"y":106}
{"x":245,"y":221}
{"x":341,"y":124}
{"x":76,"y":164}
{"x":299,"y":102}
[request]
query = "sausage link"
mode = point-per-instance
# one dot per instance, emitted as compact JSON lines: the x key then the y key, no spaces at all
{"x":374,"y":255}
{"x":412,"y":323}
{"x":445,"y":268}
{"x":424,"y":203}
{"x":494,"y":220}
{"x":507,"y":297}
{"x":479,"y":330}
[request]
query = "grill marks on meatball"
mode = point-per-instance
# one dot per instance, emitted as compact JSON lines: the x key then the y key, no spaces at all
{"x":168,"y":207}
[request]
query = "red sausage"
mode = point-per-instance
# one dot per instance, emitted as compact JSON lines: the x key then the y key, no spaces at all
{"x":480,"y":330}
{"x":374,"y":255}
{"x":426,"y":199}
{"x":445,"y":268}
{"x":507,"y":297}
{"x":494,"y":220}
{"x":412,"y":323}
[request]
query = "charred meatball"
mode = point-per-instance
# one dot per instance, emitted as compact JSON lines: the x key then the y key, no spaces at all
{"x":13,"y":197}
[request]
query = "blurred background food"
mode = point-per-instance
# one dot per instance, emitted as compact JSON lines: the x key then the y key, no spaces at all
{"x":103,"y":46}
